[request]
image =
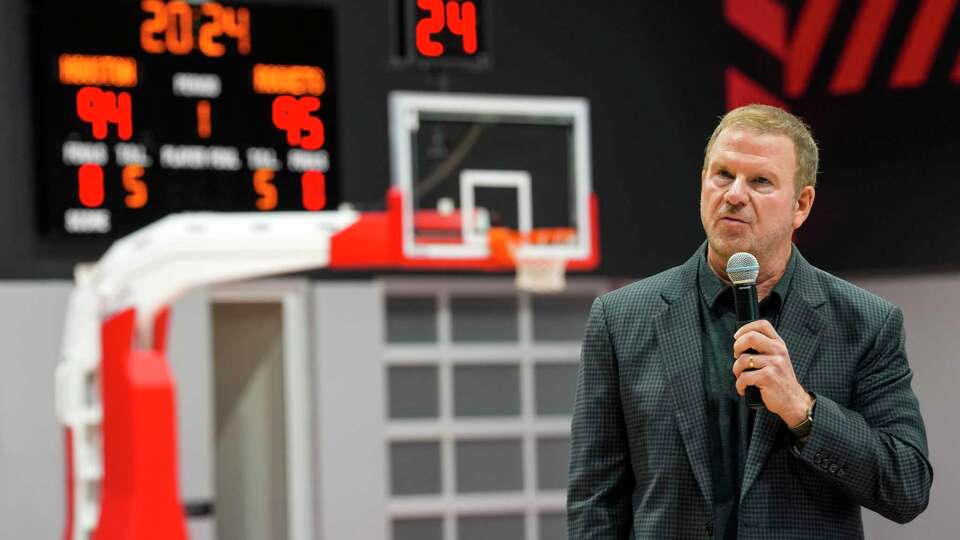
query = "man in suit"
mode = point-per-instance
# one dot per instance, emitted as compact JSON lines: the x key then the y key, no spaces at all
{"x":663,"y":445}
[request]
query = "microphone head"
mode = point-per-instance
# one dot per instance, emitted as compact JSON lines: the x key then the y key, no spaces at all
{"x":742,"y":268}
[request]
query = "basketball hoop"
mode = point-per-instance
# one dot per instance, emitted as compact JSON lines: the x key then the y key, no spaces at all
{"x":538,"y":270}
{"x":541,"y":274}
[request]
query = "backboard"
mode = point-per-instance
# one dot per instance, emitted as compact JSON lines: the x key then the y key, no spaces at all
{"x":473,"y":169}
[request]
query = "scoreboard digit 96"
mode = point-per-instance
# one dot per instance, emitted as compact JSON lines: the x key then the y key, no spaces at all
{"x":144,"y":108}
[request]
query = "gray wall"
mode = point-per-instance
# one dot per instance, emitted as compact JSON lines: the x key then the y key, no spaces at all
{"x":349,"y":390}
{"x":931,"y":309}
{"x":31,"y":455}
{"x":31,"y":438}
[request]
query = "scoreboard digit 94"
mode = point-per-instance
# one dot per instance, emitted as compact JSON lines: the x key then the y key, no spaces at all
{"x":144,"y":108}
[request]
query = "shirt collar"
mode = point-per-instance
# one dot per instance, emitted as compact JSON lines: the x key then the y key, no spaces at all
{"x":711,"y":288}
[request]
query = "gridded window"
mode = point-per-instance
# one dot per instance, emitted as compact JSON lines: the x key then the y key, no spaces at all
{"x":418,"y":529}
{"x":478,"y":426}
{"x":414,"y":391}
{"x":484,"y":319}
{"x":490,"y":527}
{"x":560,"y":318}
{"x":553,"y":454}
{"x":486,"y":390}
{"x":553,"y":526}
{"x":554,"y":385}
{"x":414,"y":468}
{"x":489,"y":465}
{"x":411,"y":320}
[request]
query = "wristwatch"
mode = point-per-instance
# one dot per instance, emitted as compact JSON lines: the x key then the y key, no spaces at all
{"x":802,"y":430}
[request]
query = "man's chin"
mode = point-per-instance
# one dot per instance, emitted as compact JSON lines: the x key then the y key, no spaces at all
{"x":727,"y":246}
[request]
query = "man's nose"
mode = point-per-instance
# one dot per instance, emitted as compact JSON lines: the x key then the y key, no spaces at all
{"x":736,"y":193}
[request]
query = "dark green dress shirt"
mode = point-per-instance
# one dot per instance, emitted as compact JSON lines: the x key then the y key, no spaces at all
{"x":728,"y":418}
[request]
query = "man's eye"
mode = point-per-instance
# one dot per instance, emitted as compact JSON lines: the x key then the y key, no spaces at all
{"x":725,"y":174}
{"x":761,"y":180}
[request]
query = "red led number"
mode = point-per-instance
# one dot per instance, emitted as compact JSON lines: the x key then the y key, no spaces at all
{"x":91,"y":191}
{"x":313,"y":190}
{"x":429,"y":26}
{"x":90,"y":185}
{"x":266,"y":191}
{"x":292,"y":115}
{"x":99,"y":108}
{"x":462,"y":21}
{"x":137,"y":193}
{"x":170,"y":27}
{"x":458,"y":17}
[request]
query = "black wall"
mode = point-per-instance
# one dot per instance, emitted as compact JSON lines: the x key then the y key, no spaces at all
{"x":653,"y":72}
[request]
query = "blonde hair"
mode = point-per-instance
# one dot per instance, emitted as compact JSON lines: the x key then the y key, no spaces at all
{"x":767,"y":119}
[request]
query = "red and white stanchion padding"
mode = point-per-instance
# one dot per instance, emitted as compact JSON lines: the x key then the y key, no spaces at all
{"x":138,"y":490}
{"x":139,"y":496}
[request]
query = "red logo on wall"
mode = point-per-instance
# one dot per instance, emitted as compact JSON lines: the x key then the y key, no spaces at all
{"x":765,"y":23}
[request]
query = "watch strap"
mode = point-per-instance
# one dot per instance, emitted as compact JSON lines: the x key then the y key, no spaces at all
{"x":802,"y":430}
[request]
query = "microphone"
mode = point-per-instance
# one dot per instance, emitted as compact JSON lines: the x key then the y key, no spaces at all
{"x":743,"y":269}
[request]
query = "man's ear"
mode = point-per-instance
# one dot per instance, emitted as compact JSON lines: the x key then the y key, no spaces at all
{"x":802,"y":205}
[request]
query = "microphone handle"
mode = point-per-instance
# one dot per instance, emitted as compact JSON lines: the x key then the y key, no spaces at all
{"x":754,"y":399}
{"x":747,"y":309}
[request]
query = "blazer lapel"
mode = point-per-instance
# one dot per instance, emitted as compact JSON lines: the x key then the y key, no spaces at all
{"x":800,"y":327}
{"x":678,"y":336}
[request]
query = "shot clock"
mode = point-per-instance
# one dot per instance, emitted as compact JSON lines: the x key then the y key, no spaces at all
{"x":144,"y":108}
{"x":442,"y":33}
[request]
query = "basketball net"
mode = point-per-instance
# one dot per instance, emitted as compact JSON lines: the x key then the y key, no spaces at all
{"x":537,"y":273}
{"x":541,"y":275}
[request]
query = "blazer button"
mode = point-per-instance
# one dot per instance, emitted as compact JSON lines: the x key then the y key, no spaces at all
{"x":825,"y":464}
{"x":708,"y":528}
{"x":841,"y":472}
{"x":817,"y":460}
{"x":818,"y":456}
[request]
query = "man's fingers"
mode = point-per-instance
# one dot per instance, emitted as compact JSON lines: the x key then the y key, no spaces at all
{"x":748,"y":378}
{"x":756,"y":341}
{"x":763,"y":326}
{"x":742,"y":363}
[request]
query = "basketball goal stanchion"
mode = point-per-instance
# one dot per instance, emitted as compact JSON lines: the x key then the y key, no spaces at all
{"x":114,"y":389}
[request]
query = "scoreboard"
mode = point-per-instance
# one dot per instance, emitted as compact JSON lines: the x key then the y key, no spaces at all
{"x":145,"y":108}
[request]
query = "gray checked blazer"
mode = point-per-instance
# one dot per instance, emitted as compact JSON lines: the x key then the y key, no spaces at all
{"x":639,"y":449}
